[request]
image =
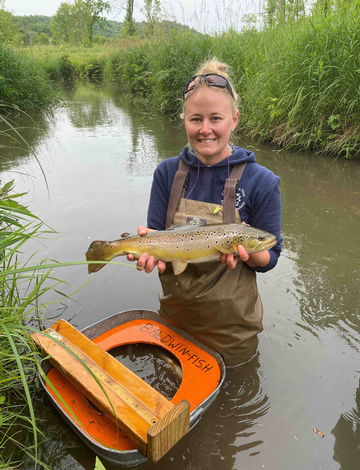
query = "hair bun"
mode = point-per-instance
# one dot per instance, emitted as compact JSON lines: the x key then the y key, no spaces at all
{"x":214,"y":66}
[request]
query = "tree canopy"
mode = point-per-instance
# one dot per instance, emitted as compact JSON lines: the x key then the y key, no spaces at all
{"x":75,"y":23}
{"x":9,"y":32}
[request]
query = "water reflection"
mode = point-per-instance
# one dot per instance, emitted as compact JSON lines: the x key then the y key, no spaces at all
{"x":229,"y":429}
{"x":99,"y":153}
{"x":347,"y":437}
{"x":89,"y":106}
{"x":321,"y":214}
{"x":20,"y":133}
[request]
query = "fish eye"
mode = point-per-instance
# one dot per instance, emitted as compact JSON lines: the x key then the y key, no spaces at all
{"x":261,"y":237}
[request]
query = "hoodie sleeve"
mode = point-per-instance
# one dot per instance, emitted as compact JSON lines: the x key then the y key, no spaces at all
{"x":266,"y":215}
{"x":159,"y":199}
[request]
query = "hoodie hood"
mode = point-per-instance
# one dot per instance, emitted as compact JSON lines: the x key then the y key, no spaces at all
{"x":239,"y":155}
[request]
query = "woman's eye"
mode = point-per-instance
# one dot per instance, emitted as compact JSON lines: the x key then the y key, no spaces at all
{"x":216,"y":118}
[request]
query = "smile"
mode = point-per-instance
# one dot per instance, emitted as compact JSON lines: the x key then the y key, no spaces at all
{"x":206,"y":141}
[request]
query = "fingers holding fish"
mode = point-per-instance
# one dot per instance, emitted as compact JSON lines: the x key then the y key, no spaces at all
{"x":232,"y":260}
{"x":147,"y":264}
{"x":142,"y":231}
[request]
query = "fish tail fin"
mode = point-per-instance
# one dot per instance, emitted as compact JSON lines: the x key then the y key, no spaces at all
{"x":98,"y":251}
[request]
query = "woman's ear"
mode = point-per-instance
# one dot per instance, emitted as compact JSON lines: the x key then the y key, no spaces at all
{"x":235,"y":119}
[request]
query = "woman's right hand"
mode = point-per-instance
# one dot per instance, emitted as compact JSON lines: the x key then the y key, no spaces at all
{"x":147,"y":263}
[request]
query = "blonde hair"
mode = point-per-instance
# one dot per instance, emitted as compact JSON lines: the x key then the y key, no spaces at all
{"x":214,"y":66}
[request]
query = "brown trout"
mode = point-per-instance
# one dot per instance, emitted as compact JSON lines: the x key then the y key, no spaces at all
{"x":181,"y":245}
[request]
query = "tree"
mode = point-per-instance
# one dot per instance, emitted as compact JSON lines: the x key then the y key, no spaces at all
{"x":280,"y":12}
{"x":95,"y":9}
{"x":9,"y":32}
{"x":75,"y":23}
{"x":129,"y":28}
{"x":152,"y":10}
{"x":60,"y":25}
{"x":42,"y":39}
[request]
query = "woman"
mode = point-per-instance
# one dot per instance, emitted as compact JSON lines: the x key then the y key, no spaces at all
{"x":212,"y":181}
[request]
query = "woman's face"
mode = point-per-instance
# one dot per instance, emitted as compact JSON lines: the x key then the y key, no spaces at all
{"x":208,"y":119}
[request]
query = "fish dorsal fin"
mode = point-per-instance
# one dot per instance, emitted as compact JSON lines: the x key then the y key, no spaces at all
{"x":180,"y":227}
{"x":179,"y":266}
{"x":225,"y":249}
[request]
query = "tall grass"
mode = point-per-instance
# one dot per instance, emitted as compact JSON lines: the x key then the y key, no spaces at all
{"x":19,"y":295}
{"x":23,"y":283}
{"x":23,"y":84}
{"x":299,"y":84}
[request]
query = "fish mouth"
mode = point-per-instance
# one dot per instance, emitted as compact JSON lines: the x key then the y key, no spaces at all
{"x":267,"y":244}
{"x":262,"y":245}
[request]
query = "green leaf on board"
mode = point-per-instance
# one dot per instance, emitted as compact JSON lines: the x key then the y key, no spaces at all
{"x":98,"y":464}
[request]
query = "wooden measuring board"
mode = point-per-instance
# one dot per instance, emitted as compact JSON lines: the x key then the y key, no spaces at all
{"x":153,"y":422}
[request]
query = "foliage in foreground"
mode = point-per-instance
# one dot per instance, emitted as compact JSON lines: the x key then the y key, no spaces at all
{"x":22,"y":284}
{"x":19,"y":294}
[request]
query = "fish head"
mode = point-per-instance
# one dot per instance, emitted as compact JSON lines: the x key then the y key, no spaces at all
{"x":254,"y":240}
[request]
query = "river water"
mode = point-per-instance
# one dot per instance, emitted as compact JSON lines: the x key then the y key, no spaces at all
{"x":98,"y":152}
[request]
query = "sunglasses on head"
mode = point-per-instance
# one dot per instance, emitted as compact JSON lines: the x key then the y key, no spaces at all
{"x":211,"y":79}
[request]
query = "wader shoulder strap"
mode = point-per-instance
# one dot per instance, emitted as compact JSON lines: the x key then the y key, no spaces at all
{"x":176,"y":190}
{"x":230,"y":185}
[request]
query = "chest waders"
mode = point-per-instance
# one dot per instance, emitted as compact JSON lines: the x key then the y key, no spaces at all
{"x":219,"y":306}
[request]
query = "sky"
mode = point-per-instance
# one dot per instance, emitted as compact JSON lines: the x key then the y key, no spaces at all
{"x":203,"y":15}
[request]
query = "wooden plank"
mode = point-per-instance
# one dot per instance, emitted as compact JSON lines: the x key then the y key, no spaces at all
{"x":151,"y":398}
{"x":119,"y":411}
{"x":152,"y":422}
{"x":95,"y":425}
{"x":164,"y":434}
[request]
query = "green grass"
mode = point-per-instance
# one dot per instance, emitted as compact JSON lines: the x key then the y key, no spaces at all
{"x":23,"y":84}
{"x":299,"y":84}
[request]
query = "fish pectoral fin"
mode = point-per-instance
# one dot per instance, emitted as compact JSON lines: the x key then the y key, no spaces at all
{"x":226,"y":250}
{"x":179,"y":266}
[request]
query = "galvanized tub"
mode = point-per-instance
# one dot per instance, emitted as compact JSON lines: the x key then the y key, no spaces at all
{"x":129,"y":458}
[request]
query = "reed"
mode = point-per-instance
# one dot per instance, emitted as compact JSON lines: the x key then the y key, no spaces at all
{"x":23,"y":283}
{"x":23,"y":84}
{"x":298,"y":83}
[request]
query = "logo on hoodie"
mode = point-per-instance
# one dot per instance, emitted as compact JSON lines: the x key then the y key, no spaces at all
{"x":239,"y":202}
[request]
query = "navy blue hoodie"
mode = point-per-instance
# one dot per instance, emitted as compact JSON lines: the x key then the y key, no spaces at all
{"x":257,"y":197}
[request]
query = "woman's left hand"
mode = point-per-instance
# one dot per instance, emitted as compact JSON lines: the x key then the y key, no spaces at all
{"x":253,"y":260}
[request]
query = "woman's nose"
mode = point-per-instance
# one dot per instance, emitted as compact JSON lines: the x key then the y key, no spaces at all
{"x":205,"y":128}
